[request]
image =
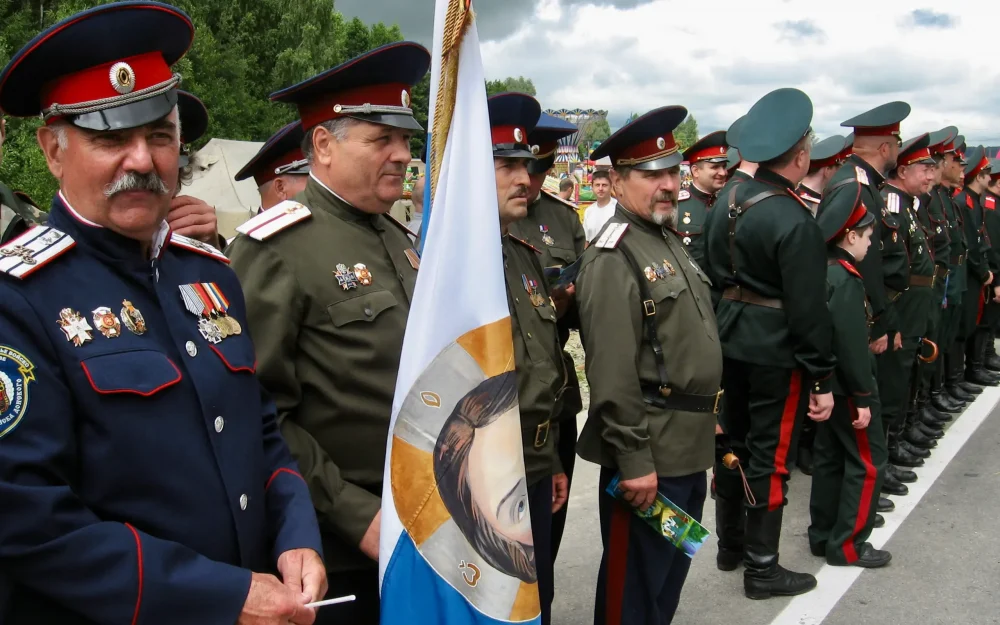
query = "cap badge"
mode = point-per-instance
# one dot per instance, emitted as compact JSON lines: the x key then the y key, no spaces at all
{"x":122,"y":78}
{"x":337,"y":108}
{"x":535,"y":149}
{"x":406,"y":99}
{"x":518,"y":135}
{"x":661,"y":143}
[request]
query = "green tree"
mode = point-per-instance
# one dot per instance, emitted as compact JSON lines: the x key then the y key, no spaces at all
{"x":687,"y":133}
{"x":631,"y":118}
{"x":519,"y":84}
{"x":592,"y":131}
{"x":420,"y":97}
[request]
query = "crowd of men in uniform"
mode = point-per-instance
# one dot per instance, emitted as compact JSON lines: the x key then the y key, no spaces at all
{"x":168,"y":469}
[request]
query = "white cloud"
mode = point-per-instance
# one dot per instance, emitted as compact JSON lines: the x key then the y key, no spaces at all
{"x":718,"y":58}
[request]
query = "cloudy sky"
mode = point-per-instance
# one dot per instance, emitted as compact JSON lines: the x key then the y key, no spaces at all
{"x":717,"y":58}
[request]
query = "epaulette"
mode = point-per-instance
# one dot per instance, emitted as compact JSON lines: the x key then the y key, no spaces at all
{"x":34,"y":249}
{"x":402,"y":226}
{"x":525,"y":243}
{"x":683,"y":195}
{"x":24,"y":197}
{"x":274,"y":220}
{"x":567,"y":203}
{"x":849,"y":267}
{"x":808,"y":198}
{"x":196,"y":246}
{"x":892,"y":202}
{"x":990,"y":202}
{"x":916,"y":204}
{"x":861,"y":174}
{"x":611,"y":235}
{"x":799,"y":200}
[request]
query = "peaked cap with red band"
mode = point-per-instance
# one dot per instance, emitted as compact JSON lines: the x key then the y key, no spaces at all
{"x":194,"y":123}
{"x":943,"y":141}
{"x":915,"y":151}
{"x":647,"y":143}
{"x":513,"y":117}
{"x":827,"y":153}
{"x":960,"y":148}
{"x":107,"y":68}
{"x":994,"y":169}
{"x":711,"y":148}
{"x":374,"y":87}
{"x":544,"y":141}
{"x":977,"y":162}
{"x":881,"y":121}
{"x":281,"y":154}
{"x":842,"y":210}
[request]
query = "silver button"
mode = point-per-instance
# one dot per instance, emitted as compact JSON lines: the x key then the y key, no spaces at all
{"x":191,"y":348}
{"x":368,"y":311}
{"x":243,"y":502}
{"x":219,"y":424}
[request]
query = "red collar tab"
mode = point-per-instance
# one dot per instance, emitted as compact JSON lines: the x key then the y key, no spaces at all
{"x":329,"y":106}
{"x":969,"y":202}
{"x":265,"y":172}
{"x":718,"y":151}
{"x":851,"y":269}
{"x":649,"y":150}
{"x":878,"y":131}
{"x":112,"y":82}
{"x":990,"y":202}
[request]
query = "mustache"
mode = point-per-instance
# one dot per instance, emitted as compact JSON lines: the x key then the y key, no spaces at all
{"x":520,"y":191}
{"x":665,"y":196}
{"x":134,"y":181}
{"x":394,"y":170}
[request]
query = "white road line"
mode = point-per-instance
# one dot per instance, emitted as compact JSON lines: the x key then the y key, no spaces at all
{"x":834,"y":581}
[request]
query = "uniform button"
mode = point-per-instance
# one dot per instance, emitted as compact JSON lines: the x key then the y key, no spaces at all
{"x":219,"y":424}
{"x":243,"y":502}
{"x":368,"y":311}
{"x":191,"y":348}
{"x":529,"y":335}
{"x":517,"y":301}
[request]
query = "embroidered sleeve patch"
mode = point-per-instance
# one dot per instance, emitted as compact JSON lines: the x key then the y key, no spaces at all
{"x":16,"y":373}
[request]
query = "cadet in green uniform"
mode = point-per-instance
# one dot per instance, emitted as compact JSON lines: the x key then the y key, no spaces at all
{"x":707,"y":158}
{"x":849,"y":460}
{"x":991,"y":198}
{"x":328,"y":283}
{"x":553,"y":227}
{"x":654,"y":367}
{"x":774,"y":325}
{"x":17,"y":211}
{"x":980,"y":277}
{"x":914,"y":172}
{"x":542,"y":375}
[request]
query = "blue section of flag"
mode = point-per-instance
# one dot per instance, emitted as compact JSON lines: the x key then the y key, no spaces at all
{"x":412,"y":593}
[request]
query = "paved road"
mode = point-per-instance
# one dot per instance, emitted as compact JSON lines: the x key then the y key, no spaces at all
{"x":946,"y":557}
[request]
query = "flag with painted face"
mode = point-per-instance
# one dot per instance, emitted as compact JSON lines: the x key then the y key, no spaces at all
{"x":456,"y":545}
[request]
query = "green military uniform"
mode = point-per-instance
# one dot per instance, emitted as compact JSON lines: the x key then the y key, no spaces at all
{"x":775,"y":328}
{"x":951,"y":317}
{"x":991,"y":221}
{"x":693,"y":203}
{"x":328,"y":337}
{"x":17,"y":213}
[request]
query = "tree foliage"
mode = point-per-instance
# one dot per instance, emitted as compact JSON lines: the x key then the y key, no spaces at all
{"x":519,"y":84}
{"x":687,"y":133}
{"x":591,"y":131}
{"x":243,"y":51}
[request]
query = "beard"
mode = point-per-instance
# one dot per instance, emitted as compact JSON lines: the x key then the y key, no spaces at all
{"x":665,"y":218}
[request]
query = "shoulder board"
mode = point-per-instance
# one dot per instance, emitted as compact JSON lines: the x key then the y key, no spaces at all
{"x":34,"y":249}
{"x":849,"y":267}
{"x":808,"y":198}
{"x":969,"y":202}
{"x":990,"y":202}
{"x":553,"y":196}
{"x":524,"y":243}
{"x":862,"y":174}
{"x":892,"y":202}
{"x":611,"y":236}
{"x":25,"y":198}
{"x":274,"y":220}
{"x":196,"y":246}
{"x":916,"y":203}
{"x":401,"y":226}
{"x":683,"y":195}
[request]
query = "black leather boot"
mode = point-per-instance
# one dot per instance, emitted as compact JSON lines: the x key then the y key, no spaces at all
{"x":943,"y":403}
{"x":918,"y":439}
{"x":959,"y":394}
{"x":971,"y":388}
{"x":975,"y":354}
{"x":954,"y":372}
{"x":884,"y":505}
{"x":934,"y":414}
{"x":763,"y":577}
{"x":892,"y":486}
{"x":804,"y":460}
{"x":902,"y":457}
{"x":903,"y":475}
{"x":930,"y":431}
{"x":879,"y":521}
{"x":913,"y":449}
{"x":729,"y":522}
{"x":871,"y":558}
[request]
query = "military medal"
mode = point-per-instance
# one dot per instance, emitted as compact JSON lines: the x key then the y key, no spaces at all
{"x":197,"y":307}
{"x":687,"y":218}
{"x":75,"y":327}
{"x":106,"y":322}
{"x":546,"y":238}
{"x":687,"y":240}
{"x":660,"y":271}
{"x":650,"y":274}
{"x":345,"y":277}
{"x":362,"y":274}
{"x":132,"y":318}
{"x":207,"y":302}
{"x":669,"y":267}
{"x":532,"y":289}
{"x":894,"y":236}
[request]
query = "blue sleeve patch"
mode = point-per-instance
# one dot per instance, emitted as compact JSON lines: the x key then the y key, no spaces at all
{"x":16,"y":373}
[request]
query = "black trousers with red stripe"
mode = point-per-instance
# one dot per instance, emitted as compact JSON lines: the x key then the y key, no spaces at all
{"x":762,"y":416}
{"x":540,"y":507}
{"x":641,"y":574}
{"x":848,"y":466}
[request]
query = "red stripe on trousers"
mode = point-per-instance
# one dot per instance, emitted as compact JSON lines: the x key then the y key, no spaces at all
{"x":867,"y":488}
{"x":617,"y":564}
{"x":979,"y":313}
{"x":777,"y":498}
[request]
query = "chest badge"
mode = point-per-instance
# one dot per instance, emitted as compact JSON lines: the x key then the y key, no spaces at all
{"x":546,"y":237}
{"x":686,"y":240}
{"x":132,"y":318}
{"x":687,"y":218}
{"x":106,"y":322}
{"x":895,"y":236}
{"x":650,"y":273}
{"x":16,"y":376}
{"x":531,"y":287}
{"x":206,"y":301}
{"x":75,"y":327}
{"x":345,"y":277}
{"x":669,"y":268}
{"x":363,"y":275}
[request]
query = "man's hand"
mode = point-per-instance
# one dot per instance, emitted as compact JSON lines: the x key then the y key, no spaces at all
{"x":820,"y":406}
{"x":270,"y":602}
{"x":560,"y":491}
{"x":990,"y":278}
{"x":718,"y":429}
{"x":641,"y":491}
{"x":303,"y":572}
{"x":864,"y":418}
{"x":369,"y":542}
{"x":193,"y":218}
{"x":897,"y":343}
{"x":996,"y":294}
{"x":879,"y":346}
{"x":563,"y":298}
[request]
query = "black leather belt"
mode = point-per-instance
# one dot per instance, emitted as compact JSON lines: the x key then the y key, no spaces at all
{"x":685,"y":402}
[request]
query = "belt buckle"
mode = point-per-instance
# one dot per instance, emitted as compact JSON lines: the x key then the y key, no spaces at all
{"x":649,"y":306}
{"x":542,"y":434}
{"x":718,"y":400}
